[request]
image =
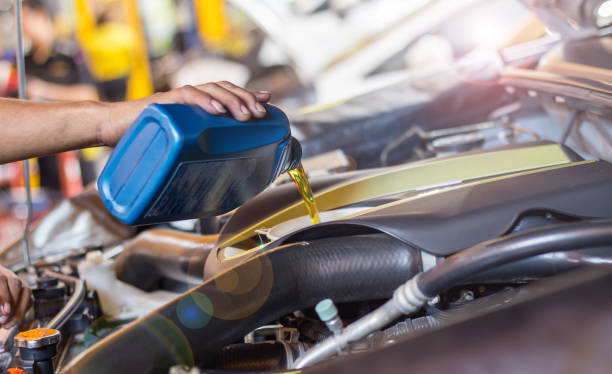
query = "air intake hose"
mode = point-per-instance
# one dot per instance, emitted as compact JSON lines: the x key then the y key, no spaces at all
{"x":164,"y":259}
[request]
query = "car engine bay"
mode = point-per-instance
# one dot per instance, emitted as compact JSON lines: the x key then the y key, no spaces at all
{"x":468,"y":218}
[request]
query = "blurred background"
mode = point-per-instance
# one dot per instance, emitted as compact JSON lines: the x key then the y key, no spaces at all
{"x":311,"y":54}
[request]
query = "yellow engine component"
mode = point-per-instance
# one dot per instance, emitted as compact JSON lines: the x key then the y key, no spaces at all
{"x":416,"y":176}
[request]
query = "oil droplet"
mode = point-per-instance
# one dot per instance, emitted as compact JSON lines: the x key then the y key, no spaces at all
{"x":301,"y":181}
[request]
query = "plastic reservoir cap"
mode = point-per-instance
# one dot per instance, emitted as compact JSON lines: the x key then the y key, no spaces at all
{"x":326,"y":310}
{"x":16,"y":371}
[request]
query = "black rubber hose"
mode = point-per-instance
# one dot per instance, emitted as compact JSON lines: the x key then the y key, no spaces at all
{"x":193,"y":328}
{"x":252,"y":357}
{"x":164,"y":259}
{"x":169,"y":269}
{"x":528,"y":269}
{"x":414,"y":293}
{"x":514,"y":247}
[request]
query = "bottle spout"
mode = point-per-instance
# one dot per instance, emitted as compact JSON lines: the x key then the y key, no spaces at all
{"x":295,"y":154}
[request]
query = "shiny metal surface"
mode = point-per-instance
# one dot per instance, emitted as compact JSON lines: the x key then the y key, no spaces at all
{"x":79,"y":222}
{"x":78,"y":295}
{"x":561,"y":325}
{"x":37,"y":338}
{"x":407,"y":299}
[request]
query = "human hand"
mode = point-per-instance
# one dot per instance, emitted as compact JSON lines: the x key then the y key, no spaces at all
{"x":15,"y":298}
{"x":216,"y":98}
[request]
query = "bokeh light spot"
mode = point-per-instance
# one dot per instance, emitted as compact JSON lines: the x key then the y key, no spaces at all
{"x":244,"y":280}
{"x":194,"y":310}
{"x":228,"y":282}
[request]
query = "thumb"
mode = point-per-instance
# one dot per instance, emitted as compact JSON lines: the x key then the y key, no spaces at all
{"x":5,"y":297}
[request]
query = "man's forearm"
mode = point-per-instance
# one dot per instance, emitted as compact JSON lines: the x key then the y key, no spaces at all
{"x":31,"y":129}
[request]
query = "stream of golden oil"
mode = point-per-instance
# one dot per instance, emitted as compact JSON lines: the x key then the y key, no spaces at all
{"x":301,"y":181}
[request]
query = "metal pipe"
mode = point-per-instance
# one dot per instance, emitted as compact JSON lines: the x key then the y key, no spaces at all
{"x":514,"y":247}
{"x":406,"y":299}
{"x":78,"y":295}
{"x":64,"y":352}
{"x":19,"y":54}
{"x":423,"y":287}
{"x":26,"y":163}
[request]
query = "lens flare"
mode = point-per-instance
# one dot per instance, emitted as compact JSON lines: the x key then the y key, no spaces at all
{"x":194,"y":310}
{"x":167,"y":335}
{"x":241,"y":291}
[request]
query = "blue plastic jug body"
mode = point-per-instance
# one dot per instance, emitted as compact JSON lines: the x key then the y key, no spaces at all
{"x":179,"y":162}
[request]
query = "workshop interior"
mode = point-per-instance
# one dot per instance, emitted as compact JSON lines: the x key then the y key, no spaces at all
{"x":429,"y":191}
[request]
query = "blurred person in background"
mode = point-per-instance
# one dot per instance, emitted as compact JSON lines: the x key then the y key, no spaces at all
{"x":56,"y":69}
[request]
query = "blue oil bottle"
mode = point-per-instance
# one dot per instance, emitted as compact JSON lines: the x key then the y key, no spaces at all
{"x":179,"y":162}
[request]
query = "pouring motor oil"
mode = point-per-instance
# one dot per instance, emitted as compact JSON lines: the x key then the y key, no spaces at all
{"x":179,"y":162}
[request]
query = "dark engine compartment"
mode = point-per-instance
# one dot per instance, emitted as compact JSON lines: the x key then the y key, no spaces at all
{"x":362,"y":263}
{"x":474,"y":252}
